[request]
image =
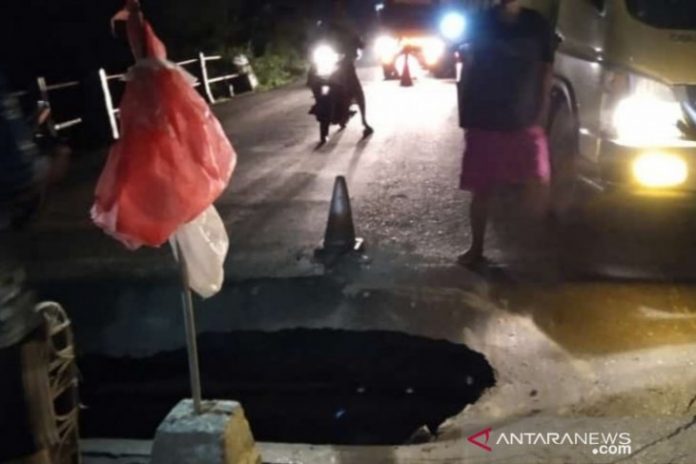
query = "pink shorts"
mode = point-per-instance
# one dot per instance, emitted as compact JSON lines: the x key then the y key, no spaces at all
{"x":497,"y":158}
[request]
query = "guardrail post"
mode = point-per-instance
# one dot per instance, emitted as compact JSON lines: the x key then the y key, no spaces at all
{"x":43,"y":96}
{"x":109,"y":104}
{"x":104,"y":101}
{"x":204,"y":78}
{"x":43,"y":88}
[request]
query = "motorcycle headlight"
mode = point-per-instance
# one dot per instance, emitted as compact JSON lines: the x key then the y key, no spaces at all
{"x":387,"y":48}
{"x":325,"y":59}
{"x":453,"y":26}
{"x":643,"y":111}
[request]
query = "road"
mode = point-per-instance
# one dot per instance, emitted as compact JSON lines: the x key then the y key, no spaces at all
{"x":582,"y":327}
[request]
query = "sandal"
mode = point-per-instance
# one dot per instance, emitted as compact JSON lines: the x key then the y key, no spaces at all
{"x":470,"y":259}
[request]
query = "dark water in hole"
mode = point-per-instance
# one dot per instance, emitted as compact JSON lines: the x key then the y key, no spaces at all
{"x":299,"y":386}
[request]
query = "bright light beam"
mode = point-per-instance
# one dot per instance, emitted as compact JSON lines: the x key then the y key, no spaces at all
{"x":453,"y":26}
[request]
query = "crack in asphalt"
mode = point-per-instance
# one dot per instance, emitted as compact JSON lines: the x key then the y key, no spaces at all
{"x":672,"y":435}
{"x":691,"y":404}
{"x":677,"y":459}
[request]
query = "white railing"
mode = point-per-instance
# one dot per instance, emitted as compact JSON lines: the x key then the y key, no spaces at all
{"x":44,"y":90}
{"x":106,"y":81}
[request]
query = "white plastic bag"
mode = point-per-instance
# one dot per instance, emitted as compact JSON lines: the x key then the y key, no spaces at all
{"x":204,"y":245}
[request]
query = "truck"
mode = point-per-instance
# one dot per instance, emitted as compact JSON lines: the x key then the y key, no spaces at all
{"x":623,"y":113}
{"x":426,"y":32}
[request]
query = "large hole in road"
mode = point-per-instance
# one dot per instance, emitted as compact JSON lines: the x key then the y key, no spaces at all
{"x":296,"y":386}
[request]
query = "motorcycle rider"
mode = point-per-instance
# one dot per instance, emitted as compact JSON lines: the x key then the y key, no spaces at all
{"x":339,"y":30}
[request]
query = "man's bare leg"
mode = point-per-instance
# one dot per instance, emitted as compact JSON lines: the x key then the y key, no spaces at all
{"x":478,"y":217}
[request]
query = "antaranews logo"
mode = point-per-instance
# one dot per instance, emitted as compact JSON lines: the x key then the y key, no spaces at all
{"x":482,"y":435}
{"x":602,"y":443}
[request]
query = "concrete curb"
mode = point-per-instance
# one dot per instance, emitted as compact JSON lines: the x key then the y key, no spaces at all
{"x":653,"y":441}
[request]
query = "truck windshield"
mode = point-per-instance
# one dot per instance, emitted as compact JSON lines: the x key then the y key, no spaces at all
{"x":665,"y":14}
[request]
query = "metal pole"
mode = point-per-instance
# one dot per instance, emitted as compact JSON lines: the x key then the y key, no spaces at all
{"x":204,"y":78}
{"x":190,"y":324}
{"x":43,"y":88}
{"x":43,"y":95}
{"x":109,"y":103}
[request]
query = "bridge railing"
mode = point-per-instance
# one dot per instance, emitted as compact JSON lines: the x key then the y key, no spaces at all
{"x":46,"y":92}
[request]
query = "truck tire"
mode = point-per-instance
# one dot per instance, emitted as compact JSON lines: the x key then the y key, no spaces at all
{"x":563,"y":148}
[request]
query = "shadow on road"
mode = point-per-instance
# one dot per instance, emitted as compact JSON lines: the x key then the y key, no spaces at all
{"x":292,"y":186}
{"x":618,"y":281}
{"x":607,"y":317}
{"x":355,"y":158}
{"x":332,"y":142}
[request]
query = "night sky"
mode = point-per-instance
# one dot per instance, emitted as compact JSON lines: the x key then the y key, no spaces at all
{"x":67,"y":39}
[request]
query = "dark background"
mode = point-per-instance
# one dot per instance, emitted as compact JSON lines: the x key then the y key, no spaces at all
{"x":67,"y":39}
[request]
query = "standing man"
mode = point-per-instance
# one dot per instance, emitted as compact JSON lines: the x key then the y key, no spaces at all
{"x":505,"y":93}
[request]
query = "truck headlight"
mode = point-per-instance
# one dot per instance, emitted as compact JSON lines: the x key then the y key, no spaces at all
{"x":433,"y":50}
{"x":387,"y":48}
{"x":325,"y":59}
{"x":453,"y":26}
{"x":646,"y":113}
{"x":660,"y":170}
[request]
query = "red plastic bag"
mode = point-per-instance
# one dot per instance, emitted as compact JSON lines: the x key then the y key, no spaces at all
{"x":173,"y":159}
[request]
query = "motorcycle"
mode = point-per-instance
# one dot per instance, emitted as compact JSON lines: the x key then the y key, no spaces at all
{"x":332,"y":98}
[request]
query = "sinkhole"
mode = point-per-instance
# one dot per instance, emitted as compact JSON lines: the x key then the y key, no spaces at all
{"x":296,"y":386}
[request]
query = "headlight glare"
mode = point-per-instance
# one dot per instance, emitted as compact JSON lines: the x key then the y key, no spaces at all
{"x":386,"y":48}
{"x":647,"y":114}
{"x":660,"y":170}
{"x":642,"y":118}
{"x":433,"y":50}
{"x":325,"y":59}
{"x":453,"y":26}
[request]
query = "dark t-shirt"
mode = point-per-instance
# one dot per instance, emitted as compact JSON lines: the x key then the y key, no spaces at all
{"x":501,"y":90}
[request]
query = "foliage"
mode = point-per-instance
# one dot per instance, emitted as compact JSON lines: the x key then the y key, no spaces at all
{"x":277,"y":69}
{"x":279,"y":65}
{"x":271,"y":33}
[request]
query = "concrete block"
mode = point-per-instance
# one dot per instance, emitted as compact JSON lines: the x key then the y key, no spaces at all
{"x":221,"y":435}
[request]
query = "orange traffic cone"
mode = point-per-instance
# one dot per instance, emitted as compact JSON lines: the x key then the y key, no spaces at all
{"x":406,"y":79}
{"x":340,"y":231}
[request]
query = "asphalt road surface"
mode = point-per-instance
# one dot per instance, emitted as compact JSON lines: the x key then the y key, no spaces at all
{"x":596,"y":322}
